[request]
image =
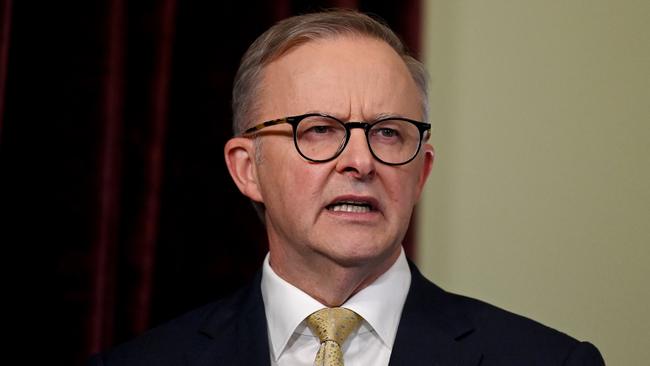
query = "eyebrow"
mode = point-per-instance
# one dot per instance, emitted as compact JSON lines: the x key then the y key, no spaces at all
{"x":388,"y":115}
{"x":376,"y":117}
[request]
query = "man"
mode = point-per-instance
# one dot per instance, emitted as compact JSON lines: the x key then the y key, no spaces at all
{"x":331,"y":145}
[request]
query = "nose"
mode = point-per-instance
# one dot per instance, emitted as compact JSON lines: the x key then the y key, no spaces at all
{"x":356,"y":159}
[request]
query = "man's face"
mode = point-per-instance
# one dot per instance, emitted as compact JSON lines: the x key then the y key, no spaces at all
{"x":353,"y":79}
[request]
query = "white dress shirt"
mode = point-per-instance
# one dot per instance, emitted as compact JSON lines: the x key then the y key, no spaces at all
{"x":292,"y":343}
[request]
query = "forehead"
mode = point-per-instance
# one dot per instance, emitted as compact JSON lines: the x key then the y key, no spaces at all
{"x":343,"y":75}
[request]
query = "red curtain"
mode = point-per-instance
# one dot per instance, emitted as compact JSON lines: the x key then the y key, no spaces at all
{"x":113,"y":115}
{"x":5,"y":28}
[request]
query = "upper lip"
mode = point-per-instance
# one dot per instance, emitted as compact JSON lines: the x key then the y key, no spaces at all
{"x":368,"y":200}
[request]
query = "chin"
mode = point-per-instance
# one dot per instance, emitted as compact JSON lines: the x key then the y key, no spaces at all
{"x":358,"y":254}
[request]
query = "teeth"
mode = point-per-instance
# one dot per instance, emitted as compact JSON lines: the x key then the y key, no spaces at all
{"x":350,"y":208}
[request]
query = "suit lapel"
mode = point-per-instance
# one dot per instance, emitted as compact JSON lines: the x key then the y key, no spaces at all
{"x":236,"y":333}
{"x":432,"y":330}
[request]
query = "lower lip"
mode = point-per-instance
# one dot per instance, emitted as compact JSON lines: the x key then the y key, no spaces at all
{"x":356,"y":216}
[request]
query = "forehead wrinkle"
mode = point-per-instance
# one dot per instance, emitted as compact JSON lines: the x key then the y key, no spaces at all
{"x":355,"y":93}
{"x":335,"y":98}
{"x":385,"y":90}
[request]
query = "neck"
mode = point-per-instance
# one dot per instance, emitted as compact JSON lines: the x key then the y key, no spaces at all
{"x":325,"y":279}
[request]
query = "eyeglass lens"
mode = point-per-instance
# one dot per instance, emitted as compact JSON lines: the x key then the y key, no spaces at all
{"x":321,"y":138}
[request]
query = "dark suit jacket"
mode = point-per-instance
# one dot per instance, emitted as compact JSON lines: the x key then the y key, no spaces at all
{"x":436,"y":328}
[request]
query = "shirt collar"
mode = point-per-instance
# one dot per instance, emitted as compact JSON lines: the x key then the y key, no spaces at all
{"x":380,"y":304}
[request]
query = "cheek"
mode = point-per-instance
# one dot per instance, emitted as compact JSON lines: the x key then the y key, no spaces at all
{"x":400,"y":186}
{"x":295,"y":183}
{"x":307,"y":182}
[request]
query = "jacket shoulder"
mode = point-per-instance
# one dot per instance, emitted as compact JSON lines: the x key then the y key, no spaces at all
{"x":171,"y":342}
{"x":500,"y":336}
{"x":504,"y":337}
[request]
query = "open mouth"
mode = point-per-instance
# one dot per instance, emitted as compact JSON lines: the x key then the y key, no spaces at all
{"x":351,"y":206}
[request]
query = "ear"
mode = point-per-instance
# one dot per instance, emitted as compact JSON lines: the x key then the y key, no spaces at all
{"x":240,"y":159}
{"x":427,"y":164}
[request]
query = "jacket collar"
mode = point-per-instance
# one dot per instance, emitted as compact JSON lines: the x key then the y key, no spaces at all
{"x":235,"y":333}
{"x":433,"y":329}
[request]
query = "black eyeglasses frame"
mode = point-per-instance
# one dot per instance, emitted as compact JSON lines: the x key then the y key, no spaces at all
{"x":423,"y":128}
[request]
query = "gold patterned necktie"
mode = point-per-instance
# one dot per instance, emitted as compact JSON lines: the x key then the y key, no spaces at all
{"x":332,"y":326}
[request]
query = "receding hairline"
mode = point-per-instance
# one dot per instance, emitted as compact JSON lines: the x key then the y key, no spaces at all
{"x":293,"y":32}
{"x":341,"y":34}
{"x":396,"y":61}
{"x":315,"y":38}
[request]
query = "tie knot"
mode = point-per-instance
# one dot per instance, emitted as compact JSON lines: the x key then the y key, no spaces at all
{"x":333,"y":324}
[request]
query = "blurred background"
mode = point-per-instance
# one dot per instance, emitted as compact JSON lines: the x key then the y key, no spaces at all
{"x":539,"y":201}
{"x":117,"y":209}
{"x":117,"y":212}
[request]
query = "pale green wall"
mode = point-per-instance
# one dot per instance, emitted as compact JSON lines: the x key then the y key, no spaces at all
{"x":539,"y":200}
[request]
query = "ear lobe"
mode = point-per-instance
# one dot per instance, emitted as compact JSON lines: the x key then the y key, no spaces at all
{"x":240,"y":159}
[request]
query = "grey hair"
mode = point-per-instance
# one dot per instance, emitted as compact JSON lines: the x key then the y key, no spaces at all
{"x":292,"y":32}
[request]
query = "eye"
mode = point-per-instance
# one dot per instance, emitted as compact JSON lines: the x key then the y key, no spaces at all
{"x":386,"y":132}
{"x":319,"y":129}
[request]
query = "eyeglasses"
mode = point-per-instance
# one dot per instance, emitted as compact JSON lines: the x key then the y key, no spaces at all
{"x":320,"y":138}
